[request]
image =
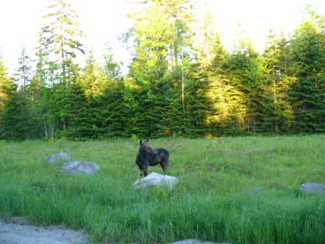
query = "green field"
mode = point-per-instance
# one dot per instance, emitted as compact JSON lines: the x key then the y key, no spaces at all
{"x":212,"y":202}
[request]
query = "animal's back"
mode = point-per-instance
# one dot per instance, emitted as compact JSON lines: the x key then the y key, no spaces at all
{"x":163,"y":153}
{"x":162,"y":156}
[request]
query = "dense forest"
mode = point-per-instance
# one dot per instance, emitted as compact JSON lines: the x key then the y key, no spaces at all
{"x":181,"y":80}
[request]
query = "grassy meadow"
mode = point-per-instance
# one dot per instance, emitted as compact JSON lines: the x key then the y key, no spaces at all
{"x":238,"y":190}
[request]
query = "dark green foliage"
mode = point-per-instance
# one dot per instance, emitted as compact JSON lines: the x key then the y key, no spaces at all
{"x":76,"y":114}
{"x":13,"y":121}
{"x":278,"y":81}
{"x":113,"y":111}
{"x":308,"y":93}
{"x":176,"y":85}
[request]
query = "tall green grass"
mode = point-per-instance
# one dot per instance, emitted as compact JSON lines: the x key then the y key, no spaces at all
{"x":213,"y":200}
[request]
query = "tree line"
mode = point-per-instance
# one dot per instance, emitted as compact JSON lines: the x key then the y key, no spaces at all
{"x":181,"y":81}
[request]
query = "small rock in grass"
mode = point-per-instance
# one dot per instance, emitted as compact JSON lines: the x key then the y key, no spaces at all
{"x":256,"y":191}
{"x":312,"y":187}
{"x":155,"y":179}
{"x":80,"y":166}
{"x":58,"y":157}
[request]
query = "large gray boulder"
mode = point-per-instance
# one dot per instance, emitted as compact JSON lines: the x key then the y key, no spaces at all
{"x":155,"y":179}
{"x":312,"y":187}
{"x":80,"y":167}
{"x":58,"y":158}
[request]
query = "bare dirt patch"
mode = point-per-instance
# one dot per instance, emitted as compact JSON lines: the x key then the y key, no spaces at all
{"x":13,"y":233}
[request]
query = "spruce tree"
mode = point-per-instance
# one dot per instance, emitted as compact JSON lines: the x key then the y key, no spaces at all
{"x":278,"y":81}
{"x":163,"y":53}
{"x":24,"y":71}
{"x":78,"y":118}
{"x":13,"y":119}
{"x":308,"y":92}
{"x":63,"y":38}
{"x":58,"y":47}
{"x":23,"y":80}
{"x":5,"y":85}
{"x":12,"y":109}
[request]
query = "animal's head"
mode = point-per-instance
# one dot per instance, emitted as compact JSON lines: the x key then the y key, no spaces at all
{"x":145,"y":147}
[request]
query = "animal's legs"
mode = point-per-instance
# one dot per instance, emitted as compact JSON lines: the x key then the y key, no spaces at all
{"x":164,"y":166}
{"x":145,"y":170}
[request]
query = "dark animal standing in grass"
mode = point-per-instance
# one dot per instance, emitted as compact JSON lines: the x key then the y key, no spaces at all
{"x":148,"y":156}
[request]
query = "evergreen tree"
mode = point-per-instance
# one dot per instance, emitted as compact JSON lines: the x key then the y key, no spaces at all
{"x":56,"y":70}
{"x":278,"y":81}
{"x":46,"y":111}
{"x":178,"y":83}
{"x":207,"y":41}
{"x":246,"y":70}
{"x":111,"y":68}
{"x":308,"y":93}
{"x":114,"y":113}
{"x":221,"y":98}
{"x":47,"y":69}
{"x":24,"y":70}
{"x":12,"y":109}
{"x":5,"y":85}
{"x":23,"y":79}
{"x":79,"y":122}
{"x":90,"y":79}
{"x":13,"y":119}
{"x":114,"y":109}
{"x":105,"y":94}
{"x":197,"y":105}
{"x":241,"y":76}
{"x":62,"y":37}
{"x":162,"y":47}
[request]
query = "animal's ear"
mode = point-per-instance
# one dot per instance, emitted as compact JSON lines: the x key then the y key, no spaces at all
{"x":140,"y":142}
{"x":146,"y":141}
